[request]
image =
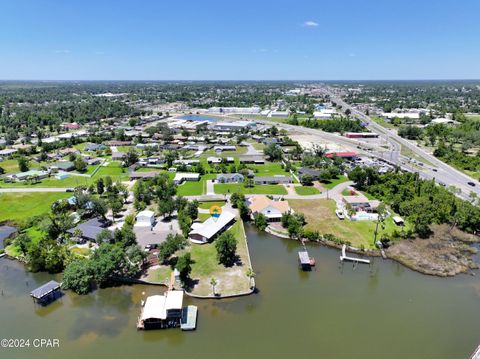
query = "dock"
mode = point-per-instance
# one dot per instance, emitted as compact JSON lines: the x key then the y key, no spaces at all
{"x":189,"y":318}
{"x":476,"y":353}
{"x":344,"y":257}
{"x":46,"y":293}
{"x":304,"y":260}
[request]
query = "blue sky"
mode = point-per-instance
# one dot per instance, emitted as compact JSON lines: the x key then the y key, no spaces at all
{"x":239,"y":40}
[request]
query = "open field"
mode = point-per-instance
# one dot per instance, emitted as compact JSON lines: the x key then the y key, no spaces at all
{"x":191,"y":188}
{"x":320,"y":216}
{"x":334,"y":182}
{"x":306,"y":190}
{"x":114,"y":170}
{"x":18,"y":206}
{"x":223,"y":188}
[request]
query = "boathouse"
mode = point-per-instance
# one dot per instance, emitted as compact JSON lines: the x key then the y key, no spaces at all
{"x":304,"y":260}
{"x":162,"y":311}
{"x":46,"y":293}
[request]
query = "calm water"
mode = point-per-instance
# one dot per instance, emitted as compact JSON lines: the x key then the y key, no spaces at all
{"x":333,"y":312}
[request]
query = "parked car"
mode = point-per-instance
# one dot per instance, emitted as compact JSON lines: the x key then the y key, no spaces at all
{"x":340,"y":214}
{"x":471,"y":184}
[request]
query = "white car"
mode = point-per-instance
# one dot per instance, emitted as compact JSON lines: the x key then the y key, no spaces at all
{"x":340,"y":214}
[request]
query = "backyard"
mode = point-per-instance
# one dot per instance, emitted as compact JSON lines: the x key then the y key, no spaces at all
{"x":223,"y":188}
{"x":320,"y":216}
{"x":19,"y":206}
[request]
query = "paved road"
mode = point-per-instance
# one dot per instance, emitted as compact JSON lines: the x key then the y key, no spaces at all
{"x":443,"y":174}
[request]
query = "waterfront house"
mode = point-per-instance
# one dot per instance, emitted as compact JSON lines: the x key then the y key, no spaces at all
{"x":270,"y":208}
{"x":206,"y":231}
{"x":90,"y":229}
{"x":361,"y":203}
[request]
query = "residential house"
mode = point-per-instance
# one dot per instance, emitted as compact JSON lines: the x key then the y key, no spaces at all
{"x":261,"y":180}
{"x":314,"y":173}
{"x":118,"y":156}
{"x":251,"y":159}
{"x":90,"y":229}
{"x":206,"y":231}
{"x":271,"y":209}
{"x":182,"y":177}
{"x":230,"y":178}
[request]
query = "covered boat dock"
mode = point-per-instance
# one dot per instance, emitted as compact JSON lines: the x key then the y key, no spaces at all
{"x":47,"y":292}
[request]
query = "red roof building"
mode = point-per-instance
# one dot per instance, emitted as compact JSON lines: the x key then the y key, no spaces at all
{"x":345,"y":154}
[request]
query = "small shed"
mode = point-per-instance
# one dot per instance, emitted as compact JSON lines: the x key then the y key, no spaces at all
{"x":145,"y":218}
{"x":46,"y":293}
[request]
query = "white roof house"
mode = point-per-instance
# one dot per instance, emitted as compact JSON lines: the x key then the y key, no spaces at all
{"x":180,"y":177}
{"x":210,"y":228}
{"x":145,"y":218}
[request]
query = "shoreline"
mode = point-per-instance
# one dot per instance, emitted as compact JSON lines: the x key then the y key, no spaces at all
{"x":431,"y":269}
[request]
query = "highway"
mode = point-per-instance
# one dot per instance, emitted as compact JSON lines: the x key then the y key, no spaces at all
{"x":442,"y":172}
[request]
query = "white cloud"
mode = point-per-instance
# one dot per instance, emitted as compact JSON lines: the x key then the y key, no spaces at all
{"x":352,"y":54}
{"x":310,"y":23}
{"x":61,"y":51}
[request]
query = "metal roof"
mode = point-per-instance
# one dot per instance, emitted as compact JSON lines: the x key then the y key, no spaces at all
{"x":45,"y":289}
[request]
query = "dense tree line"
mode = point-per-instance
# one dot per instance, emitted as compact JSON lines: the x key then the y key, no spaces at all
{"x":422,"y":202}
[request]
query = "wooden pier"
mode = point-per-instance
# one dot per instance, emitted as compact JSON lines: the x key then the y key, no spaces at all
{"x":344,"y":257}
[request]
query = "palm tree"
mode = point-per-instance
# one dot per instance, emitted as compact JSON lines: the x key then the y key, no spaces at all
{"x":251,"y":274}
{"x":213,"y":282}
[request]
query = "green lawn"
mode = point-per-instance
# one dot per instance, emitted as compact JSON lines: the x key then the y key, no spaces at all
{"x":10,"y":166}
{"x":240,"y":150}
{"x":335,"y":182}
{"x":191,"y":188}
{"x":269,"y":169}
{"x":230,"y":280}
{"x":208,"y":205}
{"x":306,"y":190}
{"x":18,"y":206}
{"x":114,"y":170}
{"x":223,"y":188}
{"x":160,"y":274}
{"x":320,"y":216}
